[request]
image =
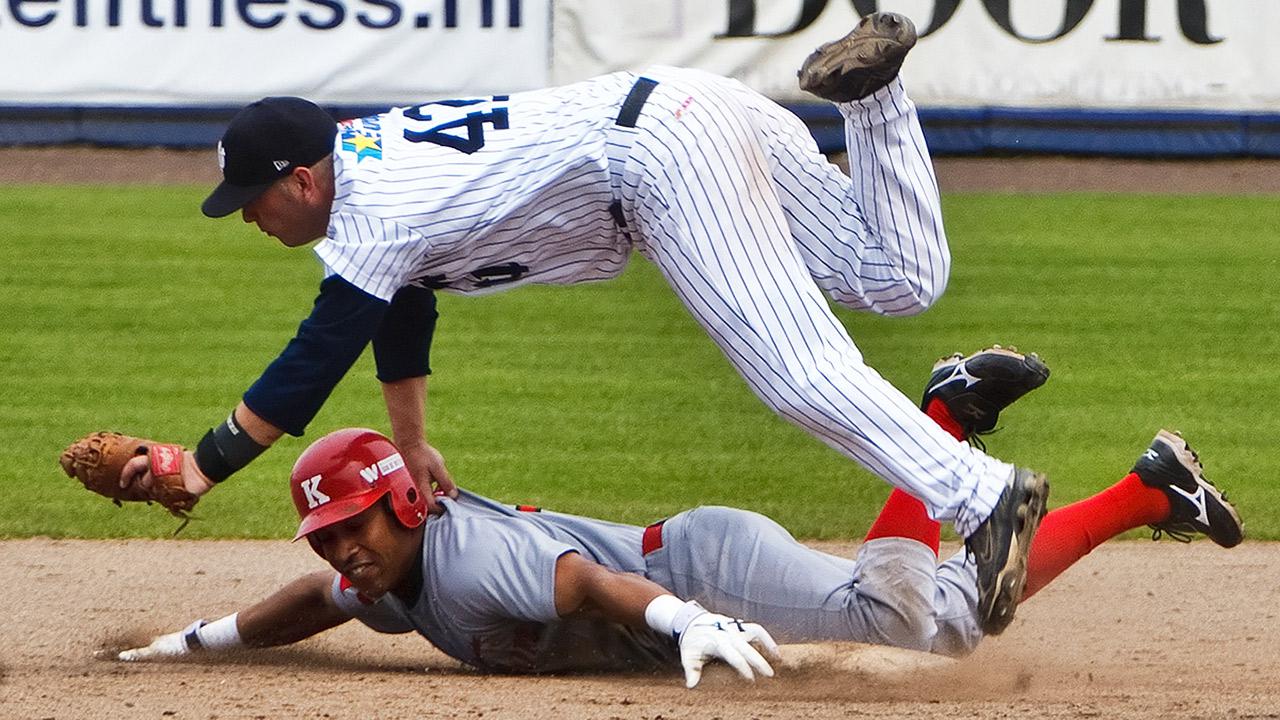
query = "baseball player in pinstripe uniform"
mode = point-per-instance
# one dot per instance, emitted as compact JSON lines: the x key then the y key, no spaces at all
{"x":722,"y":189}
{"x":516,"y":589}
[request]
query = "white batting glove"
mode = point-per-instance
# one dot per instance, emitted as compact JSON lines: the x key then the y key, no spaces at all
{"x":716,"y":637}
{"x":163,"y":647}
{"x":199,"y":636}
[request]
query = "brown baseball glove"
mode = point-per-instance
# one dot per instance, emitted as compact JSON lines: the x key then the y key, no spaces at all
{"x":97,"y":459}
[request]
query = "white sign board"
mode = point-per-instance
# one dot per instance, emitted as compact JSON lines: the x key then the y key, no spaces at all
{"x":227,"y":52}
{"x":1133,"y":54}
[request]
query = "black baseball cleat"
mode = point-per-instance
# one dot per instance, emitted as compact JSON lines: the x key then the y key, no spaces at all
{"x":976,"y":388}
{"x":861,"y":62}
{"x":1196,"y":506}
{"x":1000,"y":545}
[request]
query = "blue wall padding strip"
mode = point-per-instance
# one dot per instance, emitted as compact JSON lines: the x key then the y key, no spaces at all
{"x":949,"y":131}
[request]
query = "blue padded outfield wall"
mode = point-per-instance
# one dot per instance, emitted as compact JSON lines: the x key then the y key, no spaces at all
{"x":949,"y":132}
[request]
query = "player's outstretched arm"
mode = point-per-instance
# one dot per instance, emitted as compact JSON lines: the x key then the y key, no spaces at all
{"x":290,"y":391}
{"x":630,"y":599}
{"x":286,"y":397}
{"x":297,"y":611}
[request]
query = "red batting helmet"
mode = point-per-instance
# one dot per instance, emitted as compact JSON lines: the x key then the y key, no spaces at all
{"x":344,"y":473}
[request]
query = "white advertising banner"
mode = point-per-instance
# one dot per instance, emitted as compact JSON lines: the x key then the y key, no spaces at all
{"x":227,"y":52}
{"x":1098,"y":54}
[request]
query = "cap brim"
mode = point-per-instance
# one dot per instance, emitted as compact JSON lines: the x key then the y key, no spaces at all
{"x":335,"y":512}
{"x":227,"y":198}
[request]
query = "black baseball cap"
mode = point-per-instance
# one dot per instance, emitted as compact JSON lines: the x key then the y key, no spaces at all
{"x":264,"y":142}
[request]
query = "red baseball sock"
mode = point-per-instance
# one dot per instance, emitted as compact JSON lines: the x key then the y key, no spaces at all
{"x":905,"y":516}
{"x":1071,"y":532}
{"x":938,"y":411}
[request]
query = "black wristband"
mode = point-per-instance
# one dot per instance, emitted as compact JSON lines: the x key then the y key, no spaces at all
{"x":210,"y":461}
{"x":225,"y":449}
{"x":192,"y":638}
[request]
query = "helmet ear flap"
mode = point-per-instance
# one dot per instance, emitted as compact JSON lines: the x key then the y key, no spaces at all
{"x":408,"y":504}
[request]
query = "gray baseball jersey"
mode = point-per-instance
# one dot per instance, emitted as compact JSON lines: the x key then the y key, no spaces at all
{"x":488,"y":589}
{"x":725,"y":192}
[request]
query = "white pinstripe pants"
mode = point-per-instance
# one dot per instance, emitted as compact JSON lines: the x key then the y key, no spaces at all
{"x":727,"y":194}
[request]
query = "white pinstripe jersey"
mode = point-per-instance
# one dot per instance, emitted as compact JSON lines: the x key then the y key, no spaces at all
{"x":475,"y":195}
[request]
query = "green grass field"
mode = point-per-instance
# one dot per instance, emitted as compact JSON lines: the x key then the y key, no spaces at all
{"x":124,"y":309}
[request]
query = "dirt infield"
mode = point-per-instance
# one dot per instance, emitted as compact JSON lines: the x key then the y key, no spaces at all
{"x":1137,"y":630}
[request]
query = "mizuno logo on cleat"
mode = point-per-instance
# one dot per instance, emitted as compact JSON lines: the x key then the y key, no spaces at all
{"x":1197,"y":499}
{"x":959,"y":372}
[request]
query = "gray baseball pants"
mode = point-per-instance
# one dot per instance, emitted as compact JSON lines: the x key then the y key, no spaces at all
{"x":742,"y":564}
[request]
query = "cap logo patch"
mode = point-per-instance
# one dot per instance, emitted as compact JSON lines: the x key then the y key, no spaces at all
{"x":280,"y":164}
{"x":222,"y":156}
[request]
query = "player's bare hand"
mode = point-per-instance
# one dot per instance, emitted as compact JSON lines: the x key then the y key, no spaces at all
{"x":716,"y":637}
{"x":426,"y":465}
{"x":138,"y":471}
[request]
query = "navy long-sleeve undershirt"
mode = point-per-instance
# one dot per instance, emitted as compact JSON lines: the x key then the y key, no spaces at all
{"x":343,"y":320}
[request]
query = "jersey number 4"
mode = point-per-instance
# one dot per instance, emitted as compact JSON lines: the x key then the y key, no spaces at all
{"x":449,"y":133}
